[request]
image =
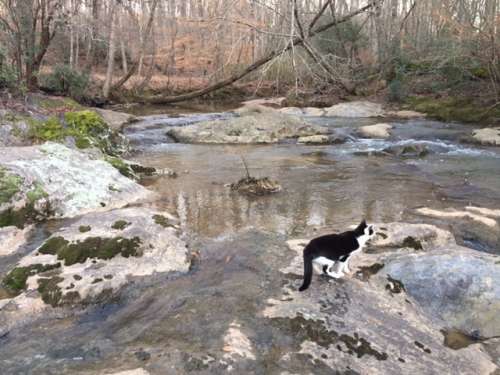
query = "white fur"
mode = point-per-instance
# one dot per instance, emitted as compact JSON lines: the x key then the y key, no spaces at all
{"x":362,"y":240}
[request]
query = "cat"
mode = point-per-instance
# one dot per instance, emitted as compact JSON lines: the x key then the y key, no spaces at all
{"x":324,"y":251}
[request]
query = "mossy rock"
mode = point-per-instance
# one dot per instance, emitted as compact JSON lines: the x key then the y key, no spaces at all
{"x":162,"y":220}
{"x":454,"y":109}
{"x":59,"y":103}
{"x":91,"y":247}
{"x":84,"y":228}
{"x":19,"y":218}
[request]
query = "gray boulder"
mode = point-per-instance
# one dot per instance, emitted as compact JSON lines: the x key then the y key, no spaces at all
{"x":115,"y":120}
{"x":364,"y":324}
{"x":486,"y":136}
{"x":455,"y":284}
{"x":375,"y":131}
{"x":255,"y":124}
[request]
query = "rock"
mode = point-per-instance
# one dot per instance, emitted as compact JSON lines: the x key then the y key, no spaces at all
{"x":486,"y":136}
{"x":237,"y":344}
{"x":405,"y":114}
{"x":366,"y":327}
{"x":375,"y":131}
{"x":313,"y":111}
{"x":69,"y":181}
{"x":314,"y":139}
{"x":255,"y":124}
{"x":256,"y":186}
{"x":137,"y":371}
{"x":476,"y":224}
{"x":115,"y":120}
{"x":455,"y":284}
{"x":405,"y":235}
{"x":91,"y":259}
{"x":12,"y":239}
{"x":13,"y":134}
{"x":271,"y":102}
{"x":293,"y":111}
{"x":355,"y":109}
{"x":416,"y":150}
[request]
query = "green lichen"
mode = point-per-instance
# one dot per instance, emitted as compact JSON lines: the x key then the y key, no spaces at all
{"x":120,"y":224}
{"x":91,"y":247}
{"x":84,"y":228}
{"x":162,"y":220}
{"x":15,"y":281}
{"x":9,"y":185}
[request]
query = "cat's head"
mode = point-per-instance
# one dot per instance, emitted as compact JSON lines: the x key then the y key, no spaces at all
{"x":365,"y":229}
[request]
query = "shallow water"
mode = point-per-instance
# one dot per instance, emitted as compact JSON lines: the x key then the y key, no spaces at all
{"x":179,"y":321}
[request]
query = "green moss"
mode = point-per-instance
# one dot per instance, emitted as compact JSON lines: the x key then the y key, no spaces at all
{"x":162,"y":220}
{"x":52,"y":245}
{"x":15,"y":281}
{"x":9,"y":185}
{"x":120,"y":224}
{"x":49,"y":130}
{"x":140,"y":169}
{"x":411,"y":242}
{"x":92,"y":247}
{"x":454,"y":109}
{"x":122,"y":167}
{"x":51,"y":293}
{"x":18,"y":218}
{"x":36,"y":193}
{"x":84,"y":228}
{"x":88,"y":128}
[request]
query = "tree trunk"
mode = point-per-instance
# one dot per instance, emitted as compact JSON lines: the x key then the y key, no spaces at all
{"x":111,"y":53}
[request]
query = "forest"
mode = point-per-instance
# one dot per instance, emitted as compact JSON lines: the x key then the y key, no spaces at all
{"x":154,"y":51}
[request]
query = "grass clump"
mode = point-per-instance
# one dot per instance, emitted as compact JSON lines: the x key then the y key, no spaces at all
{"x":122,"y":167}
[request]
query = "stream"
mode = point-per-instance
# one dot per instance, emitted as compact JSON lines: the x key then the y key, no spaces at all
{"x":171,"y":324}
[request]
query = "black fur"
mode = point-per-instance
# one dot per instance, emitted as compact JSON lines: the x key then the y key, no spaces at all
{"x":336,"y":247}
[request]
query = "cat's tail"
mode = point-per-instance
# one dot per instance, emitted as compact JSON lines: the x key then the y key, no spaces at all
{"x":308,"y":270}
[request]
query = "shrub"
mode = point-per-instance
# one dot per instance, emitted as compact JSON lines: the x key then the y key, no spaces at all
{"x":8,"y":76}
{"x":66,"y":81}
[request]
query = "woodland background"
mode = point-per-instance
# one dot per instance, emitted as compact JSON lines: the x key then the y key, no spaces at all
{"x":154,"y":50}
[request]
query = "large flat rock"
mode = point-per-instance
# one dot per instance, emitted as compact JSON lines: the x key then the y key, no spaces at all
{"x":254,"y":124}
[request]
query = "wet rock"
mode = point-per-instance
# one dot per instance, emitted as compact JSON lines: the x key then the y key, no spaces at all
{"x":455,"y":284}
{"x":338,"y":137}
{"x":486,"y":136}
{"x":255,"y":124}
{"x":137,"y":371}
{"x":12,"y":239}
{"x":312,"y":111}
{"x":256,"y":186}
{"x":115,"y":120}
{"x":121,"y":243}
{"x":407,"y":150}
{"x":356,"y":326}
{"x":375,"y":131}
{"x":71,"y":182}
{"x":355,"y":109}
{"x":472,"y":224}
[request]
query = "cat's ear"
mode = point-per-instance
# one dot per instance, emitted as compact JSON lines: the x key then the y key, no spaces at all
{"x":363,"y":223}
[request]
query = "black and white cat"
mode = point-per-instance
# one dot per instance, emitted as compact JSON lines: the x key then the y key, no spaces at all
{"x":324,"y":251}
